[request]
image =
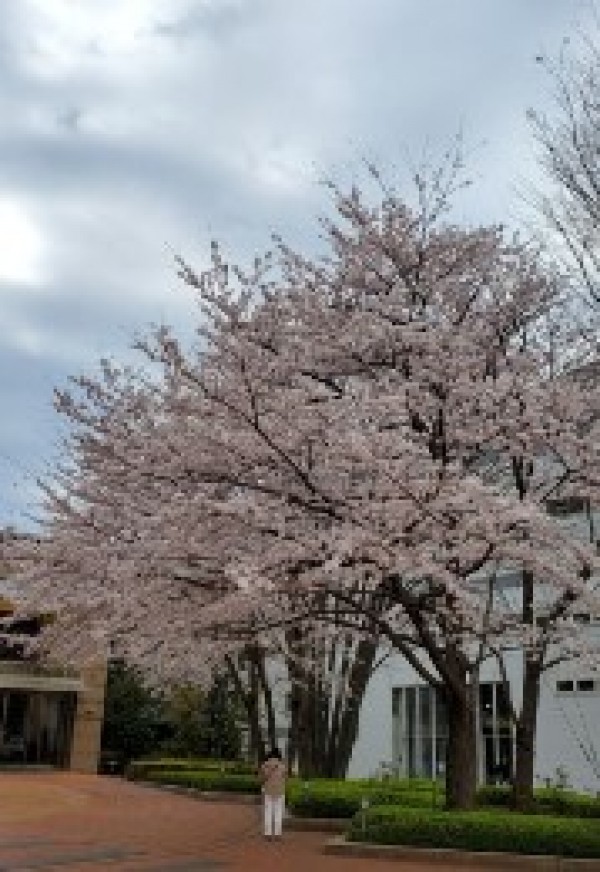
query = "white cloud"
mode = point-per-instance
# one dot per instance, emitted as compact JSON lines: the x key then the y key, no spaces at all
{"x":21,"y":244}
{"x":66,"y":36}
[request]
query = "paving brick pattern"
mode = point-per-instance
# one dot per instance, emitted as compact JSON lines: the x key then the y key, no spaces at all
{"x":62,"y":822}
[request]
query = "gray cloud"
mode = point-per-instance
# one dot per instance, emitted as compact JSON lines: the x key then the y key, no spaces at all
{"x":130,"y":131}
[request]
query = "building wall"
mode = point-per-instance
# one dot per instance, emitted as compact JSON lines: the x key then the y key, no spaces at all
{"x":569,"y":731}
{"x":569,"y":724}
{"x":87,"y":728}
{"x":374,"y":741}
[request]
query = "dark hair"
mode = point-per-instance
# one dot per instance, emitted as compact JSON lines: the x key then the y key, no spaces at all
{"x":275,"y":752}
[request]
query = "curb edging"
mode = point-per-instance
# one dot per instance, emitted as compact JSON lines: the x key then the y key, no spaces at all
{"x":315,"y":825}
{"x":340,"y":847}
{"x":203,"y":795}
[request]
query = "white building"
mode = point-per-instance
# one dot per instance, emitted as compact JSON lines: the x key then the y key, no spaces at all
{"x":403,"y":725}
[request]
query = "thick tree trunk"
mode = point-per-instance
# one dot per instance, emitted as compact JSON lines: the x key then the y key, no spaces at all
{"x":306,"y":730}
{"x":525,"y":735}
{"x":323,"y":731}
{"x":271,"y":738}
{"x":249,"y":698}
{"x":344,"y":726}
{"x":294,"y":730}
{"x":461,"y":763}
{"x":340,"y":752}
{"x":527,"y":721}
{"x":255,"y":732}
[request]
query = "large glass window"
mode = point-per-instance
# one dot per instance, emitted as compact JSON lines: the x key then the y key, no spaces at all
{"x":497,"y":734}
{"x":420,"y":732}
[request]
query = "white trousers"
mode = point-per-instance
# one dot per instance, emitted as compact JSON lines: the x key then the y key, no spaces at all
{"x":273,"y":808}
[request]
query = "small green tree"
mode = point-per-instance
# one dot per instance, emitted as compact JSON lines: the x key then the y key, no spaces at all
{"x":134,"y":722}
{"x":220,"y":717}
{"x":204,"y":724}
{"x":183,"y":715}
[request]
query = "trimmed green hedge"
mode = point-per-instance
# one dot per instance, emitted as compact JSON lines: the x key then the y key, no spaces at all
{"x":329,"y":798}
{"x":319,"y":798}
{"x":547,"y":800}
{"x":145,"y":768}
{"x":477,"y":831}
{"x":322,"y":798}
{"x":232,"y":782}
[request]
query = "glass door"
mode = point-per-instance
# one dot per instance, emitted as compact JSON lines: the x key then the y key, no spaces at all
{"x":36,"y":727}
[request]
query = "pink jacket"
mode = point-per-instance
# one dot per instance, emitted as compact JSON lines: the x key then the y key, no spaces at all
{"x":273,"y":776}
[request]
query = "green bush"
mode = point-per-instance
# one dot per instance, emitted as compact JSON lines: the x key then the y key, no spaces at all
{"x":233,"y":782}
{"x":495,"y":796}
{"x":134,"y":720}
{"x":320,"y":798}
{"x":330,"y":798}
{"x":143,"y":768}
{"x":552,"y":800}
{"x":477,"y":831}
{"x":204,"y":723}
{"x":547,"y":800}
{"x":323,"y":798}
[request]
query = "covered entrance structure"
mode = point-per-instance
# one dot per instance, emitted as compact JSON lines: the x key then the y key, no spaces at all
{"x":49,"y":717}
{"x":37,"y":714}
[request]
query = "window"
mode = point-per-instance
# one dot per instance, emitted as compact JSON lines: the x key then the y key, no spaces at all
{"x":496,"y":731}
{"x":587,"y":685}
{"x":420,"y":732}
{"x":578,"y":618}
{"x":566,"y":506}
{"x":582,"y":685}
{"x":564,"y":686}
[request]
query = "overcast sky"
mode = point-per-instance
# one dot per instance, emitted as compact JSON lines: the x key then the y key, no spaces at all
{"x":134,"y":129}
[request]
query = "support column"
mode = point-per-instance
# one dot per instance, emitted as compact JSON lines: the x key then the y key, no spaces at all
{"x":87,"y":728}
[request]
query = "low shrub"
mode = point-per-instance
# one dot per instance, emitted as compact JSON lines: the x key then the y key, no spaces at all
{"x":552,"y":800}
{"x":319,"y":798}
{"x":547,"y":800}
{"x":142,"y":768}
{"x":322,"y":798}
{"x":332,"y":798}
{"x":232,"y":782}
{"x":495,"y":796}
{"x":477,"y":831}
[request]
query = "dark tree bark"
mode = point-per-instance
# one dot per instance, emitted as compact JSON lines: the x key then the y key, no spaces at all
{"x":324,"y":721}
{"x":344,"y":724}
{"x":461,"y":763}
{"x":525,"y":735}
{"x":271,"y":737}
{"x":250,"y":698}
{"x":526,"y":724}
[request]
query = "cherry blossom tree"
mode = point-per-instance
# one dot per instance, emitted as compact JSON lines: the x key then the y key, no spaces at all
{"x":334,"y":444}
{"x":568,"y":139}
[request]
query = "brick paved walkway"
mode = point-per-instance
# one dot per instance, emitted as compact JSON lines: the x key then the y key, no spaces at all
{"x":60,"y":821}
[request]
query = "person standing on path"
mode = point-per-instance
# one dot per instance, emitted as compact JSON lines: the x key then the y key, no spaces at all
{"x":273,"y":776}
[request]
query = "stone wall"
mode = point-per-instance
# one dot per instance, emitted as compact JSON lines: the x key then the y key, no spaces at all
{"x":87,"y":728}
